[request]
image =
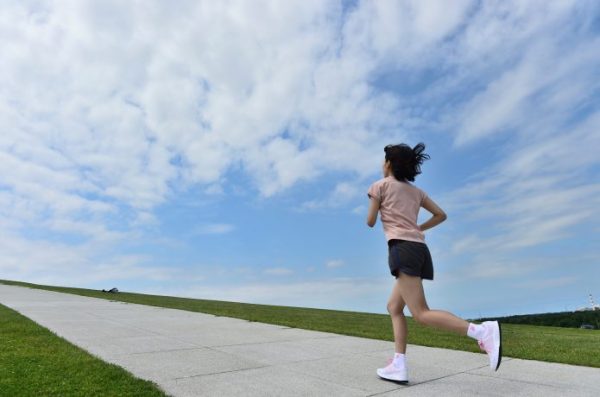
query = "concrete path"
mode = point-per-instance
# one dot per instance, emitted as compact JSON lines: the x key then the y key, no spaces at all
{"x":195,"y":354}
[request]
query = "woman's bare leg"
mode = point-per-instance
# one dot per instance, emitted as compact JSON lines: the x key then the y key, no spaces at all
{"x":411,"y":290}
{"x":395,"y":307}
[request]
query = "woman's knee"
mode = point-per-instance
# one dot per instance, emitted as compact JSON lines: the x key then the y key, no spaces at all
{"x":395,"y":308}
{"x":420,"y":316}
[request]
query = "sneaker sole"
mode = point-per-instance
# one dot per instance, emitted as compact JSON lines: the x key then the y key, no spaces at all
{"x":499,"y":347}
{"x":391,"y":379}
{"x":401,"y":382}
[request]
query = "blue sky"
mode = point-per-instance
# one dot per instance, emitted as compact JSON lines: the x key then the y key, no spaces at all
{"x":223,"y":150}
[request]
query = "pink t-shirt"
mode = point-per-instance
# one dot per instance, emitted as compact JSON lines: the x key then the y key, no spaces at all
{"x":399,"y":207}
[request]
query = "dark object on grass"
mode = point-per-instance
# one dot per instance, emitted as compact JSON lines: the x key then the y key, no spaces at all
{"x":112,"y":290}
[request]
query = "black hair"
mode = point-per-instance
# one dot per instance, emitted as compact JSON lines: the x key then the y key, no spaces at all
{"x":406,"y":162}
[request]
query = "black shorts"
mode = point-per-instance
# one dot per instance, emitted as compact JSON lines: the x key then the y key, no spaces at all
{"x":410,"y":257}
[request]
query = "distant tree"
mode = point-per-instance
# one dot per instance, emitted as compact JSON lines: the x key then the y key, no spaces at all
{"x":561,"y":319}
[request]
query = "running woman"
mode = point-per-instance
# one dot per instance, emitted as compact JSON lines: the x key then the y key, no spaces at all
{"x":398,"y":202}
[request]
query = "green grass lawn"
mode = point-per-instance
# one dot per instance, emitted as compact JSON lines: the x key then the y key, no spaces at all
{"x":554,"y":344}
{"x":36,"y":362}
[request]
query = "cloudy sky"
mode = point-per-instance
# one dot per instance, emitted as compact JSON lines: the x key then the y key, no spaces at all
{"x":223,"y":149}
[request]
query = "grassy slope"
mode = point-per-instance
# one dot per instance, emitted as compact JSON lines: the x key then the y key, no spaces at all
{"x":36,"y":362}
{"x":570,"y":346}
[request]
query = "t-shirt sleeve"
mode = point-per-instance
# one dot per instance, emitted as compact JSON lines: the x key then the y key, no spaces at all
{"x":375,"y":191}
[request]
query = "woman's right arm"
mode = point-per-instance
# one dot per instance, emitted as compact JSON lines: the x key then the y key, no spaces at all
{"x":373,"y":210}
{"x":438,"y":217}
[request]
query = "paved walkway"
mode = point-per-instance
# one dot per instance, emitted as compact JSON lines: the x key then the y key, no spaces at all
{"x":195,"y":354}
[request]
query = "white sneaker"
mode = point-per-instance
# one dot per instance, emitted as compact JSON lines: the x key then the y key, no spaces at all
{"x":393,"y":373}
{"x":491,"y":343}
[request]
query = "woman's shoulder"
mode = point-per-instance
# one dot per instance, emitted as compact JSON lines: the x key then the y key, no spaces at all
{"x":422,"y":193}
{"x":412,"y":187}
{"x":381,"y":181}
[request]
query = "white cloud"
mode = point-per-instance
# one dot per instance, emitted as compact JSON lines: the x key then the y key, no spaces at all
{"x":63,"y":264}
{"x":342,"y":194}
{"x":214,"y":228}
{"x":549,"y":283}
{"x":289,"y":101}
{"x":402,"y":33}
{"x":536,"y":86}
{"x":216,"y":86}
{"x":278,"y":271}
{"x":543,"y":186}
{"x":536,"y":194}
{"x":360,"y":210}
{"x":334,"y":263}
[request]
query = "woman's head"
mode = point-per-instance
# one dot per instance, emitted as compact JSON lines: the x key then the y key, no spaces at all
{"x":405,"y":163}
